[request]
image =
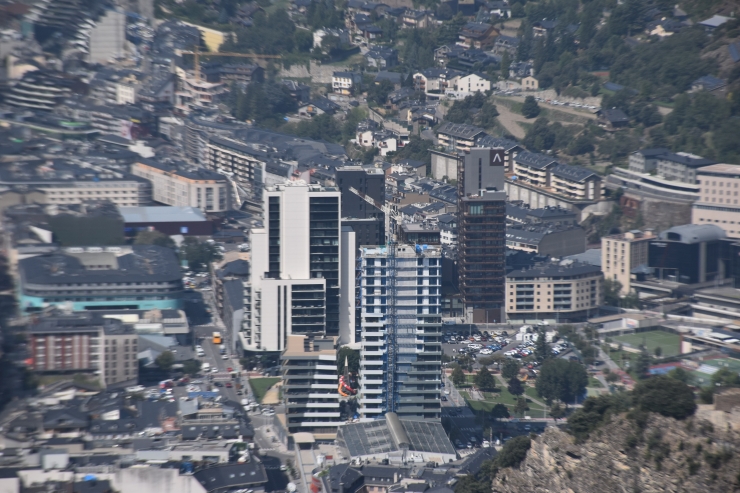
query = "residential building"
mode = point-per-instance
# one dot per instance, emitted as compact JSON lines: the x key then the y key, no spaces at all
{"x":194,"y":187}
{"x":680,"y":166}
{"x":393,"y":77}
{"x":309,"y":372}
{"x":40,"y":90}
{"x":543,"y":28}
{"x":318,"y":106}
{"x":687,"y":254}
{"x":243,"y":73}
{"x":240,"y":160}
{"x":613,"y":119}
{"x":481,"y":234}
{"x":576,"y":183}
{"x":341,"y":34}
{"x":530,"y":83}
{"x":622,"y":253}
{"x":534,"y":168}
{"x":297,"y":261}
{"x":400,"y":350}
{"x":458,"y":136}
{"x":560,"y":291}
{"x":195,"y":94}
{"x":436,"y":80}
{"x":345,"y":82}
{"x":416,"y":19}
{"x":477,"y":35}
{"x":508,"y":44}
{"x":473,"y":83}
{"x":510,"y":147}
{"x":718,"y":198}
{"x":168,"y":220}
{"x":84,"y":342}
{"x":139,"y":277}
{"x":107,"y":39}
{"x":382,"y":57}
{"x":64,"y":182}
{"x":299,"y":92}
{"x":646,"y":160}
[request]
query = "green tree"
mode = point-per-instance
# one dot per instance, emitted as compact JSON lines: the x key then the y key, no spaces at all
{"x":191,"y":366}
{"x":725,"y":377}
{"x":505,"y":64}
{"x":153,"y":237}
{"x":379,"y":91}
{"x":458,"y":376}
{"x":521,"y":406}
{"x":530,"y":108}
{"x":542,"y":351}
{"x":679,"y":374}
{"x":500,"y":411}
{"x":511,"y":369}
{"x":665,"y":396}
{"x":351,"y":356}
{"x":557,"y":411}
{"x":484,"y":380}
{"x":513,"y":452}
{"x":165,"y":360}
{"x":612,"y":288}
{"x":642,"y":365}
{"x":658,"y":351}
{"x":515,"y":387}
{"x":562,"y":380}
{"x":198,"y":254}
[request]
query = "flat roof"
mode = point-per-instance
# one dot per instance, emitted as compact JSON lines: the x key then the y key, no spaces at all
{"x":162,"y":214}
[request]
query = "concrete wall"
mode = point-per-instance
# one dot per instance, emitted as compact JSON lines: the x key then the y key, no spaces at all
{"x":444,"y":165}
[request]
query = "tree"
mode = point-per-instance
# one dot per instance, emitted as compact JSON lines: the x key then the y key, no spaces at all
{"x":665,"y":396}
{"x":153,"y":237}
{"x":612,"y":288}
{"x":725,"y":377}
{"x":500,"y":411}
{"x":542,"y":351}
{"x":191,"y":366}
{"x":379,"y":91}
{"x":198,"y":255}
{"x":530,"y":108}
{"x":165,"y":360}
{"x":642,"y":365}
{"x":353,"y":358}
{"x":511,"y":369}
{"x":562,"y":380}
{"x":513,"y":452}
{"x":515,"y":387}
{"x":458,"y":377}
{"x":557,"y":411}
{"x":679,"y":374}
{"x":658,"y":351}
{"x":521,"y":406}
{"x":505,"y":64}
{"x":484,"y":379}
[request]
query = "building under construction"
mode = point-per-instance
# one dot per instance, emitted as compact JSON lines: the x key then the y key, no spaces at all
{"x":400,"y":352}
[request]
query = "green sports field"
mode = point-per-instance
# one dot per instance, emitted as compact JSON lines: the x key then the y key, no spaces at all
{"x":669,"y":343}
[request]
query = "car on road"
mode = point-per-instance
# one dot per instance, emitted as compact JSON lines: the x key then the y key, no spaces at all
{"x":214,"y":370}
{"x":229,"y":385}
{"x":447,"y":392}
{"x":444,"y":399}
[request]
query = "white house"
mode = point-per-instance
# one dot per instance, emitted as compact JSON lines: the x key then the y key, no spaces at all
{"x":473,"y":83}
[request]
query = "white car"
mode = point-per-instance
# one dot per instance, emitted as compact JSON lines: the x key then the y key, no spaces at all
{"x":447,"y":392}
{"x":214,"y":370}
{"x":486,"y":351}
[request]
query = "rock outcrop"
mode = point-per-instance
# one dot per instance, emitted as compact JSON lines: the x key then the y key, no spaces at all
{"x":663,"y":456}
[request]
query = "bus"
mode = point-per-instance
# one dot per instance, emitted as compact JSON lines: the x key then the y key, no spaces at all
{"x":217,"y":338}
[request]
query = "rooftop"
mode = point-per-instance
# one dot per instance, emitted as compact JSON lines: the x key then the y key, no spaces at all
{"x":573,"y":173}
{"x":460,"y":130}
{"x":161,"y":214}
{"x":693,"y":233}
{"x":564,"y":268}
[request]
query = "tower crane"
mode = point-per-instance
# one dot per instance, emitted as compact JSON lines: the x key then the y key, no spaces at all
{"x":197,"y":54}
{"x":388,"y":212}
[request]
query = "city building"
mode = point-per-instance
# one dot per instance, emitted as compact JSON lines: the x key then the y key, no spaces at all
{"x":436,"y":80}
{"x":370,"y":183}
{"x":345,"y":82}
{"x":472,"y":83}
{"x":40,"y":90}
{"x":64,"y":182}
{"x":718,"y":198}
{"x":622,"y":253}
{"x":687,"y":254}
{"x":646,"y":160}
{"x":680,"y":166}
{"x":458,"y":136}
{"x":482,"y":234}
{"x":534,"y":168}
{"x":84,"y":342}
{"x":138,"y":277}
{"x":561,"y":291}
{"x":107,"y":39}
{"x":196,"y":187}
{"x":297,"y":262}
{"x":244,"y":162}
{"x":195,"y":94}
{"x":400,"y":350}
{"x":546,"y":239}
{"x":170,"y":220}
{"x":309,"y":371}
{"x":576,"y":183}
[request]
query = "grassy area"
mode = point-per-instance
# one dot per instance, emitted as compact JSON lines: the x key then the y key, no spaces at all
{"x":669,"y":343}
{"x":261,"y":385}
{"x":502,"y":396}
{"x":594,"y":382}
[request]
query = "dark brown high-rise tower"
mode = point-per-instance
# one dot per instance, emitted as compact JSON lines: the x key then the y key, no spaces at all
{"x":482,"y":234}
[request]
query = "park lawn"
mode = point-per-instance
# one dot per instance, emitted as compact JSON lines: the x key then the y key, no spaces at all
{"x":669,"y":343}
{"x":531,"y":392}
{"x":261,"y":385}
{"x":502,"y":396}
{"x":594,"y":382}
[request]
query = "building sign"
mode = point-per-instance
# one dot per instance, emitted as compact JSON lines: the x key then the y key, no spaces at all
{"x":497,"y":157}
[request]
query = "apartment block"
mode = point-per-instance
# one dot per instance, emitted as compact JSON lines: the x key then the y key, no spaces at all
{"x":561,"y":291}
{"x":296,"y":267}
{"x":84,"y":342}
{"x":622,"y":253}
{"x":534,"y":168}
{"x":576,"y":183}
{"x":458,"y":136}
{"x":400,"y":350}
{"x":196,"y":187}
{"x":241,"y":161}
{"x":309,"y":371}
{"x":718,"y":198}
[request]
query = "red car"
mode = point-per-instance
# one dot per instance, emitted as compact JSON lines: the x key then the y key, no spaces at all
{"x":229,"y":369}
{"x":228,"y":385}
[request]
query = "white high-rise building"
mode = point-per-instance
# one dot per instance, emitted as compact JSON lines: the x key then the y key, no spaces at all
{"x":297,"y":264}
{"x":400,"y":351}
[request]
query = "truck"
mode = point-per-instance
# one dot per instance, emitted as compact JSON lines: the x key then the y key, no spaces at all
{"x":205,"y":367}
{"x":222,"y":348}
{"x":217,"y":338}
